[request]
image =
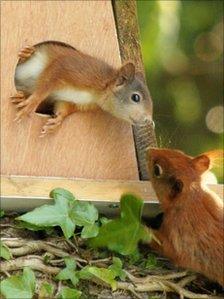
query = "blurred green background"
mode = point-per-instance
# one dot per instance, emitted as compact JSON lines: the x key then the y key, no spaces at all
{"x":182,"y":47}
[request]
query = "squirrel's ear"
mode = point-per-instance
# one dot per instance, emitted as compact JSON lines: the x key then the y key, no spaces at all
{"x":201,"y":163}
{"x":213,"y":158}
{"x":140,"y":76}
{"x":125,"y":74}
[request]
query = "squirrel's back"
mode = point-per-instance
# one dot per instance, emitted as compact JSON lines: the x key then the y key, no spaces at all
{"x":66,"y":64}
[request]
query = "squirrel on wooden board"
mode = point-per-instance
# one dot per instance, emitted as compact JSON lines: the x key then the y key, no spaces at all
{"x":191,"y":232}
{"x":56,"y":73}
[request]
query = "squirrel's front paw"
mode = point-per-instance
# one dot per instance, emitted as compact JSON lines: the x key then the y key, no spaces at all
{"x":25,"y":106}
{"x":51,"y":125}
{"x":25,"y":53}
{"x":18,"y":97}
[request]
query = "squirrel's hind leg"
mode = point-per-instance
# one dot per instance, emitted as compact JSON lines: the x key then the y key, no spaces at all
{"x":61,"y":110}
{"x":25,"y":53}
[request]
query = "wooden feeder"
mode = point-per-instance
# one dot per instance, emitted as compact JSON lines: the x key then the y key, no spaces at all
{"x":94,"y":155}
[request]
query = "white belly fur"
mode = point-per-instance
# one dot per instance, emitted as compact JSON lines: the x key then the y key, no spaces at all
{"x":30,"y":70}
{"x":73,"y":95}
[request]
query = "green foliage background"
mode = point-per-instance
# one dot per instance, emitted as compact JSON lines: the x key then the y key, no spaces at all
{"x":182,"y":46}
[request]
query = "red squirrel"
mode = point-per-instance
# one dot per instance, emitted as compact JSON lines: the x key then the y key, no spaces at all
{"x":192,"y":229}
{"x":74,"y":81}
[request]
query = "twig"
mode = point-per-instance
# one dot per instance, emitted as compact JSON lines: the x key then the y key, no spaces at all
{"x":19,"y":247}
{"x":162,"y":286}
{"x":58,"y":288}
{"x":34,"y":263}
{"x":100,"y":261}
{"x":186,"y":280}
{"x":7,"y":225}
{"x":184,"y":292}
{"x":6,"y":273}
{"x":149,"y":278}
{"x":72,"y":245}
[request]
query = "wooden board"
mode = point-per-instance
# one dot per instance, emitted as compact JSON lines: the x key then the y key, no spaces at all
{"x":25,"y":193}
{"x":89,"y":145}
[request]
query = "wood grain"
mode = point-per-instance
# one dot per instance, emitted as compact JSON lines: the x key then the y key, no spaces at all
{"x":94,"y":190}
{"x":89,"y":145}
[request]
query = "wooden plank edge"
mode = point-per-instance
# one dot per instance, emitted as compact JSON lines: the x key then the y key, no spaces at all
{"x":21,"y":193}
{"x":83,"y":189}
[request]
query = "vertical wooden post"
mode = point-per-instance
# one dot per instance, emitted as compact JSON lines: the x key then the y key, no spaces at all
{"x":125,"y":13}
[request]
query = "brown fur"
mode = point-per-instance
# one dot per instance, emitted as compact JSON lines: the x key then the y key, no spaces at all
{"x":67,"y":68}
{"x":192,"y":231}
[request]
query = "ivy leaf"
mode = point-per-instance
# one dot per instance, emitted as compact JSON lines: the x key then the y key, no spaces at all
{"x":122,"y":235}
{"x":34,"y":227}
{"x":90,"y":231}
{"x":19,"y":286}
{"x":104,"y":220}
{"x":106,"y":275}
{"x":54,"y":215}
{"x":46,"y":291}
{"x":69,"y":272}
{"x":116,"y":267}
{"x":29,"y":278}
{"x":67,"y":212}
{"x":84,"y":213}
{"x":62,"y":193}
{"x":68,"y":293}
{"x":4,"y":252}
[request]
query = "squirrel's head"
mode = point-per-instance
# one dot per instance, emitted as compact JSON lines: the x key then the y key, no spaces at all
{"x":129,"y":98}
{"x":173,"y":173}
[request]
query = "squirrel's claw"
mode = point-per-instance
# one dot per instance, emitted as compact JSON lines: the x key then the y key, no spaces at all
{"x":51,"y":125}
{"x":25,"y":53}
{"x":18,"y":97}
{"x":26,"y":106}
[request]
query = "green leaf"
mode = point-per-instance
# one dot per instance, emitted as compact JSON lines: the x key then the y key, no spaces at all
{"x":46,"y":291}
{"x":106,"y":275}
{"x":122,"y":235}
{"x":29,"y":278}
{"x":67,"y":212}
{"x":19,"y":286}
{"x":84,"y":213}
{"x":116,"y":267}
{"x":61,"y":193}
{"x":90,"y":231}
{"x":2,"y":213}
{"x":69,"y":272}
{"x":4,"y":252}
{"x":134,"y":257}
{"x":54,"y":215}
{"x":33,"y":227}
{"x":151,"y":262}
{"x":104,"y":220}
{"x":68,"y":293}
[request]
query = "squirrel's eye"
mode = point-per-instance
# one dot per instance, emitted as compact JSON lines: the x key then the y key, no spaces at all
{"x":158,"y":171}
{"x":135,"y":97}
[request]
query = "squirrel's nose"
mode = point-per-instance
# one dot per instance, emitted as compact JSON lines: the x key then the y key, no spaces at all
{"x":148,"y":119}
